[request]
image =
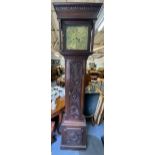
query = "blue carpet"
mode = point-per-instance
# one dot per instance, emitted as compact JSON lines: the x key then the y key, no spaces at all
{"x":94,"y":146}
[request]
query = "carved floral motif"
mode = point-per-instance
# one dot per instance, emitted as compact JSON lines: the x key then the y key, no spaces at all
{"x":73,"y":136}
{"x":76,"y":73}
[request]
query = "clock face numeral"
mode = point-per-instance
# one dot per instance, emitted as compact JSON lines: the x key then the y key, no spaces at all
{"x":76,"y":37}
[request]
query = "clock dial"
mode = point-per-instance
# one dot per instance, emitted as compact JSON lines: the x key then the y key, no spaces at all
{"x":76,"y":37}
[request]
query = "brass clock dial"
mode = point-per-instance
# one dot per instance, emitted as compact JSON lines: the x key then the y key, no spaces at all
{"x":76,"y":37}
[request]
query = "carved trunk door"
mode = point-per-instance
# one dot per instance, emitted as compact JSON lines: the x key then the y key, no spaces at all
{"x":74,"y":88}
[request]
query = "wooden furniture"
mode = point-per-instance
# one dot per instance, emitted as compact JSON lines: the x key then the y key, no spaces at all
{"x":76,"y":29}
{"x":58,"y":112}
{"x":91,"y":100}
{"x":93,"y":74}
{"x":87,"y":80}
{"x":101,"y":72}
{"x":60,"y":82}
{"x":52,"y":129}
{"x":56,"y":72}
{"x":99,"y":112}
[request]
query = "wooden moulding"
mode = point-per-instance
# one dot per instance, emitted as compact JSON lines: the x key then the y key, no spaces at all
{"x":77,"y":10}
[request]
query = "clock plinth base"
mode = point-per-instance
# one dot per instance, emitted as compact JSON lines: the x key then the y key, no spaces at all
{"x":74,"y":135}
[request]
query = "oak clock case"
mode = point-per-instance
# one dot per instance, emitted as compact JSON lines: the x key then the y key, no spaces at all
{"x":76,"y":29}
{"x":76,"y":40}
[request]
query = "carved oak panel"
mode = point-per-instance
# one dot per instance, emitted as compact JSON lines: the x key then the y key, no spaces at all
{"x":75,"y":89}
{"x":73,"y":136}
{"x":75,"y":67}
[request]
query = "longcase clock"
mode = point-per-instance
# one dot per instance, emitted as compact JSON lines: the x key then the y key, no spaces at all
{"x":76,"y":29}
